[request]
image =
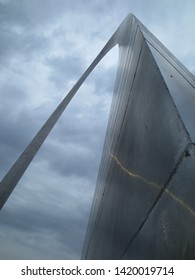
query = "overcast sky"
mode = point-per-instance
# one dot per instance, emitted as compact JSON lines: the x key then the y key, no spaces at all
{"x":45,"y":45}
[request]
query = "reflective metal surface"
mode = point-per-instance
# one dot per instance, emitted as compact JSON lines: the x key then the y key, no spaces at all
{"x":144,"y":205}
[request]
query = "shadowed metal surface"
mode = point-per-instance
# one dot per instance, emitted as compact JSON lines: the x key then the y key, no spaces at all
{"x":144,"y":204}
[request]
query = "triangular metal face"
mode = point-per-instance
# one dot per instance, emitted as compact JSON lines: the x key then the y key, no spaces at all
{"x":180,"y":82}
{"x":149,"y":134}
{"x":181,"y":87}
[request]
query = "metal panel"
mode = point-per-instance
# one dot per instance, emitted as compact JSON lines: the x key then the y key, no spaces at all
{"x":181,"y":89}
{"x":169,"y":232}
{"x":148,"y":135}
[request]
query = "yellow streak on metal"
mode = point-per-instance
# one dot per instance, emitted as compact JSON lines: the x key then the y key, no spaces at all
{"x":179,"y":201}
{"x":135,"y":175}
{"x":175,"y":198}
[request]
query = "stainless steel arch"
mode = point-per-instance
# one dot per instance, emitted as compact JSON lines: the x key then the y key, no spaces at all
{"x":144,"y":204}
{"x":11,"y":179}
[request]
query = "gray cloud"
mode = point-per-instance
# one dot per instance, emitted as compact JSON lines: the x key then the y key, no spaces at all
{"x":64,"y":69}
{"x":45,"y":47}
{"x":14,"y":43}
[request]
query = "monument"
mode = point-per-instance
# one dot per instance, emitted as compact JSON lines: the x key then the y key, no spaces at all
{"x":144,"y":203}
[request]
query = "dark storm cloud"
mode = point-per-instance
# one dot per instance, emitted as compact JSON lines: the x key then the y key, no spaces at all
{"x":76,"y":143}
{"x":19,"y":36}
{"x":104,"y":80}
{"x":31,"y":13}
{"x":61,"y":224}
{"x":45,"y":47}
{"x":64,"y":228}
{"x":68,"y":161}
{"x":55,"y":212}
{"x":18,"y":124}
{"x":14,"y":43}
{"x":80,"y":132}
{"x":42,"y":14}
{"x":12,"y":139}
{"x":64,"y":69}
